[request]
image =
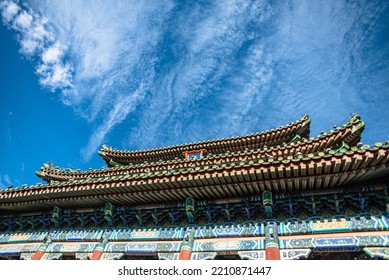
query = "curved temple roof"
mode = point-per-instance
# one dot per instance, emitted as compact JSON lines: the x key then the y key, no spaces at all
{"x":268,"y":138}
{"x":299,"y":173}
{"x":340,"y":138}
{"x":333,"y":159}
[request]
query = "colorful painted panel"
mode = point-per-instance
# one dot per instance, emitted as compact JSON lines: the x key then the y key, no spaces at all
{"x":78,"y":235}
{"x":121,"y":234}
{"x":26,"y":256}
{"x":372,"y":240}
{"x":252,"y":255}
{"x":240,"y":230}
{"x":295,"y":254}
{"x":194,"y":155}
{"x":83,"y":256}
{"x":18,"y":248}
{"x":361,"y":224}
{"x":228,"y":245}
{"x":142,"y":247}
{"x":160,"y":234}
{"x":71,"y":247}
{"x":112,"y":256}
{"x":23,"y":237}
{"x":377,"y":252}
{"x":335,"y":242}
{"x":168,"y":256}
{"x":203,"y":256}
{"x":52,"y":256}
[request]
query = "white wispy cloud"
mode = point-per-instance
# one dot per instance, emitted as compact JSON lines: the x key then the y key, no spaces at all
{"x":177,"y":72}
{"x":5,"y":181}
{"x":207,"y":70}
{"x":249,"y":66}
{"x":118,"y":114}
{"x":39,"y":44}
{"x":53,"y":54}
{"x":113,"y":55}
{"x":321,"y":65}
{"x":98,"y":55}
{"x":23,"y":21}
{"x":9,"y":10}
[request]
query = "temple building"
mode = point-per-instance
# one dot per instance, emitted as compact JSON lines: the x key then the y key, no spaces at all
{"x":277,"y":194}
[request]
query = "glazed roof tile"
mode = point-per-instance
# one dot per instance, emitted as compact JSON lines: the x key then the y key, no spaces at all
{"x":268,"y":137}
{"x":301,"y":172}
{"x":349,"y":132}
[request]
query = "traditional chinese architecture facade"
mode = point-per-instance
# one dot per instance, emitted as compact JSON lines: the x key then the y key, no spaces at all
{"x":273,"y":195}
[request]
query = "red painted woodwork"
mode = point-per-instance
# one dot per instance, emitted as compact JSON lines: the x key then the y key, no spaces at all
{"x":185,"y":255}
{"x":96,"y":255}
{"x":38,"y":255}
{"x":273,"y":253}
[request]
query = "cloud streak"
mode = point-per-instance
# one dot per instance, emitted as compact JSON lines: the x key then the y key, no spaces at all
{"x":39,"y":44}
{"x":5,"y":181}
{"x":207,"y":86}
{"x":97,"y":57}
{"x":170,"y":72}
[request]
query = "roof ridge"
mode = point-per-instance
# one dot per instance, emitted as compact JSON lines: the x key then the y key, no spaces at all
{"x":104,"y":148}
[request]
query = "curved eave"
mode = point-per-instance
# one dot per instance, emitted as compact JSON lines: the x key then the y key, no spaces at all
{"x":347,"y":133}
{"x":50,"y":173}
{"x":269,"y":138}
{"x":298,"y":175}
{"x":355,"y":135}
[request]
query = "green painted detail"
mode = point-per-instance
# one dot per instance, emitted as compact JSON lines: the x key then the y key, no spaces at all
{"x":190,"y":204}
{"x":267,"y":198}
{"x":296,"y":138}
{"x":109,"y":211}
{"x":269,"y":211}
{"x":56,"y":215}
{"x":267,"y":201}
{"x":379,"y":252}
{"x":354,"y":117}
{"x":282,"y":230}
{"x":358,"y":126}
{"x":383,"y":223}
{"x":271,"y":236}
{"x":190,"y":208}
{"x":187,"y":242}
{"x":335,"y":225}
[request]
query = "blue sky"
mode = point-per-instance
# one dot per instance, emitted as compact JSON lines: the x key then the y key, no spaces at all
{"x":144,"y":74}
